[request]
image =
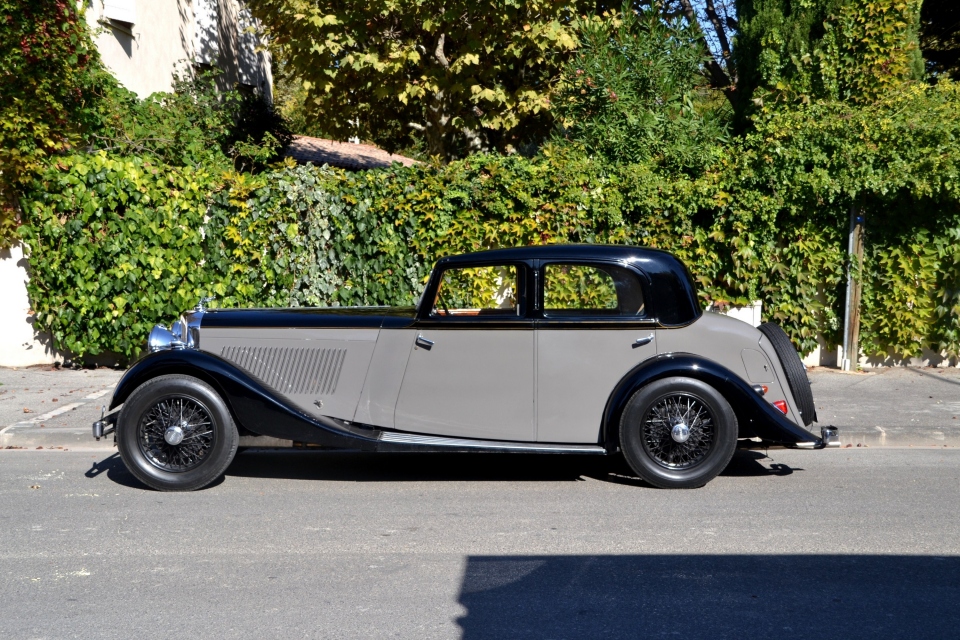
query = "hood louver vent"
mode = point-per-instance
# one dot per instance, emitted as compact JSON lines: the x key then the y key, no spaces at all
{"x":292,"y":371}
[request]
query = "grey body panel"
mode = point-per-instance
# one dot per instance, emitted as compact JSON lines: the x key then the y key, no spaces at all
{"x":723,"y":340}
{"x":382,"y":387}
{"x":473,"y":383}
{"x":576,"y":372}
{"x":307,"y":366}
{"x":758,"y":366}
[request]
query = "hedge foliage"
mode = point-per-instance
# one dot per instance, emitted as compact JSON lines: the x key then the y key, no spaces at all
{"x":119,"y":244}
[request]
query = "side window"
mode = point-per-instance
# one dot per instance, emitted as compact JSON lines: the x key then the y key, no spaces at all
{"x":591,"y":290}
{"x":477,"y":291}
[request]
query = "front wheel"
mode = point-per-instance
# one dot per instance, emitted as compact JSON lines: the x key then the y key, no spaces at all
{"x":678,"y":433}
{"x":175,"y":433}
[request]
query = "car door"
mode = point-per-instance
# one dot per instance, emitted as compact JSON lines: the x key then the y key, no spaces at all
{"x":595,"y":326}
{"x":471,"y":366}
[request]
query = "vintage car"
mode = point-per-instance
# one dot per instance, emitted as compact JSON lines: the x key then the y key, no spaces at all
{"x":567,"y":349}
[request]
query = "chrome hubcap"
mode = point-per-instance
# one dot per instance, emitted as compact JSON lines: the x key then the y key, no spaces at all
{"x":679,"y":433}
{"x":174,"y":435}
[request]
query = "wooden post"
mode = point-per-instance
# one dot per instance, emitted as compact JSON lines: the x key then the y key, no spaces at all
{"x":851,"y":321}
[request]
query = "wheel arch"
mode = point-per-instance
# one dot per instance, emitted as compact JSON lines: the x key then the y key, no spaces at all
{"x":755,"y":416}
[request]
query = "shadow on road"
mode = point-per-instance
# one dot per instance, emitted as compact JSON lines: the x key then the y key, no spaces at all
{"x":352,"y":466}
{"x":456,"y":467}
{"x":710,"y":596}
{"x":117,"y":472}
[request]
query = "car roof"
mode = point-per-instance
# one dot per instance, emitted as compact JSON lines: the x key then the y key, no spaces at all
{"x":670,"y":281}
{"x":565,"y":251}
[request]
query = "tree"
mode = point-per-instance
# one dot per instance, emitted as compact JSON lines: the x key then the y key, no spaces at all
{"x":825,"y":49}
{"x":462,"y":75}
{"x":52,"y":82}
{"x":636,"y":91}
{"x":940,"y":37}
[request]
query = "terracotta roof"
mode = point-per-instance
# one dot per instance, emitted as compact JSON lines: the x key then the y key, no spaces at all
{"x":345,"y":155}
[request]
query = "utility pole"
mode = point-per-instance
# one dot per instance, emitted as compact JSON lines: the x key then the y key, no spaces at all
{"x":851,"y":315}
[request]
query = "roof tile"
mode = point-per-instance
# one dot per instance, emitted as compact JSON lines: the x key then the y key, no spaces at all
{"x":345,"y":155}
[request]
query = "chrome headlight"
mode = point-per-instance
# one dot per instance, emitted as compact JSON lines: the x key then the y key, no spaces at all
{"x":184,"y":333}
{"x":162,"y":338}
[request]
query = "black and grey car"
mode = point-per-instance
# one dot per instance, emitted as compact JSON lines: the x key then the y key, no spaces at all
{"x":567,"y":349}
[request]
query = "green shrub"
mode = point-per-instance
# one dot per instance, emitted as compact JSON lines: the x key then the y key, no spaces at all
{"x":118,"y":244}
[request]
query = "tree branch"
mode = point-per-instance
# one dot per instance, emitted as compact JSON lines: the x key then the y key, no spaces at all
{"x":721,"y":34}
{"x":438,"y":54}
{"x":718,"y":77}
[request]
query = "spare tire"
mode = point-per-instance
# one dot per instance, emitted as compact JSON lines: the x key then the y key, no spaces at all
{"x":794,"y":370}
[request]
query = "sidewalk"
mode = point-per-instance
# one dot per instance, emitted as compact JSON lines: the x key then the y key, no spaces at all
{"x":897,"y":407}
{"x":53,"y":408}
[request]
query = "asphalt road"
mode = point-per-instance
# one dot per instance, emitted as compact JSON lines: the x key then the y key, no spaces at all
{"x":850,"y":543}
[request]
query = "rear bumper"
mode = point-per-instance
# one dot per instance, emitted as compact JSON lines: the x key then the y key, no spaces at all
{"x":829,"y":439}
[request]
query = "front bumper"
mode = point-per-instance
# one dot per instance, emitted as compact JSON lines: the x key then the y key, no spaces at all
{"x":105,"y":426}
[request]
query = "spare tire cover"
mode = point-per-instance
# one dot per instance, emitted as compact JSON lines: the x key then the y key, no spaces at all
{"x":793,"y":369}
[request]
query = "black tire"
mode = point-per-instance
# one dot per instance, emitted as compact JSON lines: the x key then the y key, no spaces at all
{"x":793,"y":368}
{"x":648,"y":443}
{"x":207,"y":434}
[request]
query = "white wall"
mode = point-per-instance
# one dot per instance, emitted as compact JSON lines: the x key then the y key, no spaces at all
{"x":19,"y":345}
{"x":167,"y":36}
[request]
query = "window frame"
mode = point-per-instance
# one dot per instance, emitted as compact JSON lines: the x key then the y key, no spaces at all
{"x":427,"y":302}
{"x":587,"y":318}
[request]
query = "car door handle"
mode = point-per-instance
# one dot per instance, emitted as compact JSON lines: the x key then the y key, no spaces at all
{"x":424,"y":343}
{"x":642,"y":341}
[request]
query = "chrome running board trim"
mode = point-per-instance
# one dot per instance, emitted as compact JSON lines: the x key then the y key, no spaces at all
{"x":495,"y":445}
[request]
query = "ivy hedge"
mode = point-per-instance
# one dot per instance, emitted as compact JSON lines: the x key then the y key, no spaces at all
{"x":120,"y":243}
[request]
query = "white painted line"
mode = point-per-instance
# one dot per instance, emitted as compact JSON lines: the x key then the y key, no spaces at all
{"x":45,"y":416}
{"x":56,"y":412}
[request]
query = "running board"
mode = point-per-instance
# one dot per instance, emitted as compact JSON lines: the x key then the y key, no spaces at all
{"x":414,"y":442}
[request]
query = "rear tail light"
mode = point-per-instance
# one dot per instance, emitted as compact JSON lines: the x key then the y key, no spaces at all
{"x":782,"y":405}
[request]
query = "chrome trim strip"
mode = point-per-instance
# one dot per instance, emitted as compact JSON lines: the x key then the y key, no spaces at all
{"x":533,"y":447}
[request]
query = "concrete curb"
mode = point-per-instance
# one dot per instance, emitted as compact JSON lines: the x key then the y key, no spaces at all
{"x":894,"y":437}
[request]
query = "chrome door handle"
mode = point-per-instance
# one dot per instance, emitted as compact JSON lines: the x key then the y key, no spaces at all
{"x":642,"y":341}
{"x":424,"y":343}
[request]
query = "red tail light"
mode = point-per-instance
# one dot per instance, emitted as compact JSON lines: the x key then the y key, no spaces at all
{"x":782,"y":405}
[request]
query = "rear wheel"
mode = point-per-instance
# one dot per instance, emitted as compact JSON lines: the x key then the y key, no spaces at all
{"x":175,"y":433}
{"x":678,"y":433}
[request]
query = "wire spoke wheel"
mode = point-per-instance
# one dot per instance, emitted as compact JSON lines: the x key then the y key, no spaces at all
{"x":678,"y":431}
{"x":176,"y":434}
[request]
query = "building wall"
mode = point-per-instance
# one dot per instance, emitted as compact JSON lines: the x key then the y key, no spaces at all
{"x":144,"y":42}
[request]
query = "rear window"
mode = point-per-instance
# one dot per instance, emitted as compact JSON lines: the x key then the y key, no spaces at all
{"x":591,"y":290}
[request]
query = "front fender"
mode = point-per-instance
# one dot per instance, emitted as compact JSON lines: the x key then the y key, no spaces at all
{"x":756,"y":417}
{"x":254,"y":407}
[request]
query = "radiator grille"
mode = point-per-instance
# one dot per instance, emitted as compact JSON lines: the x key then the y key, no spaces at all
{"x":291,"y":370}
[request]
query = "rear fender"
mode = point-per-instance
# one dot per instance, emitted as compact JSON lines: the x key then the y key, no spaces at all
{"x":255,"y":408}
{"x":756,"y":416}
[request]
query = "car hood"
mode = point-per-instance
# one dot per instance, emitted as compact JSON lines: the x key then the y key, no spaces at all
{"x":310,"y":317}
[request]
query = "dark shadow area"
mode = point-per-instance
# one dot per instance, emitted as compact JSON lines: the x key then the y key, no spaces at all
{"x":752,"y":463}
{"x":710,"y":596}
{"x":117,"y":472}
{"x":409,"y":467}
{"x":457,"y":467}
{"x":929,"y":374}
